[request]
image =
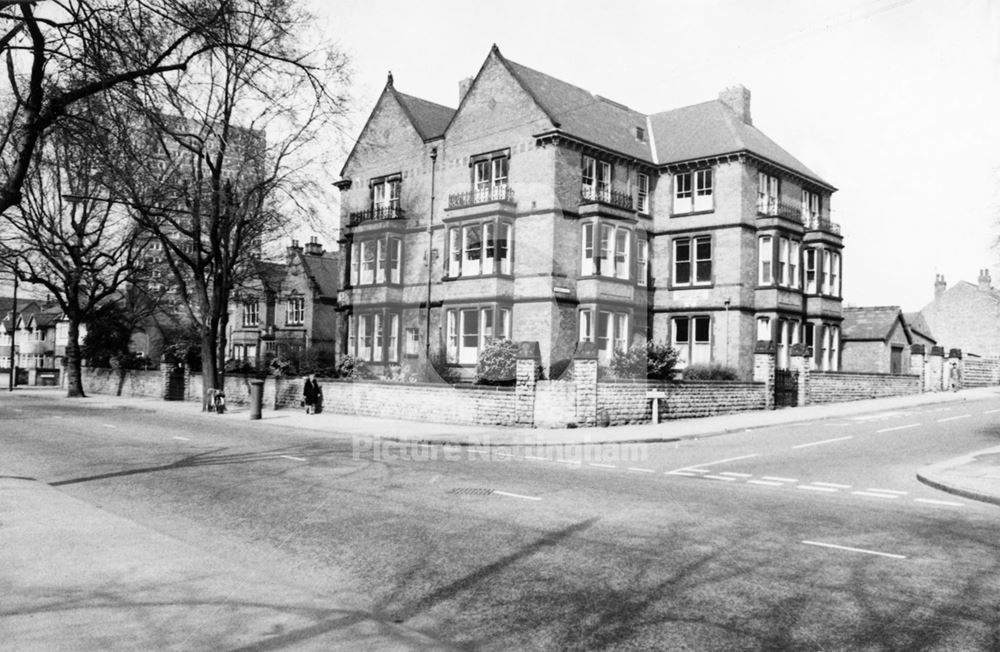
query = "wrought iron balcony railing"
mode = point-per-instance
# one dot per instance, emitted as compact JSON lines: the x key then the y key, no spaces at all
{"x":819,"y":224}
{"x":376,"y":213}
{"x":779,"y":209}
{"x":478,"y":196}
{"x":590,"y":195}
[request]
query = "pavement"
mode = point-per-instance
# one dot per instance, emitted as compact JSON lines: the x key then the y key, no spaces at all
{"x":89,"y":580}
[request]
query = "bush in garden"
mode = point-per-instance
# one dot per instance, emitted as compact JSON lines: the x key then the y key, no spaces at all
{"x":651,"y":360}
{"x":713,"y":371}
{"x":497,"y":363}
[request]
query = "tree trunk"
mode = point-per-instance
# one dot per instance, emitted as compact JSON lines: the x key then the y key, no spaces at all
{"x":74,"y":375}
{"x":208,"y":367}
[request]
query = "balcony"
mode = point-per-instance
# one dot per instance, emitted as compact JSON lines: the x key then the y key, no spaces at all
{"x":592,"y":195}
{"x":375,"y":214}
{"x":819,"y":224}
{"x":791,"y":212}
{"x":501,"y":193}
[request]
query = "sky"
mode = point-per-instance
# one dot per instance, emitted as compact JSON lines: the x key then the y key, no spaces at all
{"x":894,"y":102}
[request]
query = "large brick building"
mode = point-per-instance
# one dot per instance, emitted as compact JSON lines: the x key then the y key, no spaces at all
{"x":539,"y":211}
{"x":966,"y":316}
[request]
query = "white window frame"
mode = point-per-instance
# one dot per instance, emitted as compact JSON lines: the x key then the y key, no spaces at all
{"x":693,"y":261}
{"x":642,"y":193}
{"x":811,"y":271}
{"x":768,"y":194}
{"x":368,"y":262}
{"x":835,"y":273}
{"x":355,"y":263}
{"x":793,"y":264}
{"x":251,"y":313}
{"x":295,"y":311}
{"x":642,"y":262}
{"x":683,"y":193}
{"x":765,"y":256}
{"x":783,"y":254}
{"x":585,"y":325}
{"x":704,"y":190}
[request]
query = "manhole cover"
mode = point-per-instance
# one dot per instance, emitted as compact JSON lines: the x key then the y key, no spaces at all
{"x":471,"y":491}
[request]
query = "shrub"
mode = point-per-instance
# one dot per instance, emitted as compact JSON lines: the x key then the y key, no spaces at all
{"x":319,"y":360}
{"x":497,"y":363}
{"x":650,"y":360}
{"x":713,"y":371}
{"x":349,"y":367}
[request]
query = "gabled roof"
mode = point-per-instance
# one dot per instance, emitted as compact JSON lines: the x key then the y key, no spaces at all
{"x":428,"y":118}
{"x":48,"y":316}
{"x":323,"y":271}
{"x":871,"y":323}
{"x":712,"y":129}
{"x":580,"y":113}
{"x":916,"y":323}
{"x":270,"y":274}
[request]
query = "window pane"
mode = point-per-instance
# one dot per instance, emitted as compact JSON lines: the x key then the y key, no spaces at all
{"x":586,"y":326}
{"x":703,"y":254}
{"x":681,"y":330}
{"x":473,"y":250}
{"x":587,"y":247}
{"x":503,"y":328}
{"x":682,"y":261}
{"x":701,"y":329}
{"x":622,"y":239}
{"x":393,"y":339}
{"x":604,"y":264}
{"x":503,"y":248}
{"x":489,"y":238}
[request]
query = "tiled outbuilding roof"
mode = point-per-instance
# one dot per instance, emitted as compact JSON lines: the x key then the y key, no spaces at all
{"x":916,"y":323}
{"x":870,"y":323}
{"x":323,"y":270}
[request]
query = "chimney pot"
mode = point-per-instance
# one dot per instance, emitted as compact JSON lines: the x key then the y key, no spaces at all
{"x":939,"y":285}
{"x":985,"y":282}
{"x":314,"y":248}
{"x":737,"y":98}
{"x":463,"y":88}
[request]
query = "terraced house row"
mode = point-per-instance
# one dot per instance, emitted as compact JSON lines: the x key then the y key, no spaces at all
{"x":539,"y":211}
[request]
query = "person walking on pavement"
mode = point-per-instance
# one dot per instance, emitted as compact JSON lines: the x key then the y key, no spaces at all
{"x":953,"y":376}
{"x":309,"y":394}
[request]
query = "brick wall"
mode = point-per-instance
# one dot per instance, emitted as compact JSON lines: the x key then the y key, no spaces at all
{"x":980,"y":372}
{"x":833,"y":387}
{"x":624,"y":402}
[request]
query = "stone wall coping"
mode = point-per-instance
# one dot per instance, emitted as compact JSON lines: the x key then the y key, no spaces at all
{"x":391,"y":383}
{"x":867,"y":374}
{"x":683,"y":383}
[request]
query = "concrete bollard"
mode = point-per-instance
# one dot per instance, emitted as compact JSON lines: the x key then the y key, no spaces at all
{"x":256,"y":398}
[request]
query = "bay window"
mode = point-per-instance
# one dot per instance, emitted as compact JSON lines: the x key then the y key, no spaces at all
{"x":783,"y":253}
{"x":692,"y":260}
{"x":376,"y":261}
{"x":606,"y":250}
{"x":609,"y":329}
{"x":468,"y":330}
{"x":374,"y":336}
{"x":481,"y":248}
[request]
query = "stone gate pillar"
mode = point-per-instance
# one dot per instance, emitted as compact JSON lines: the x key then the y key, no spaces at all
{"x":763,"y":370}
{"x":801,"y":357}
{"x":585,"y":378}
{"x":954,"y":359}
{"x":918,"y":364}
{"x":528,"y":358}
{"x":935,"y":370}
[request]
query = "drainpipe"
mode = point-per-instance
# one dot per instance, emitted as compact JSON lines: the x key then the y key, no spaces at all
{"x":13,"y":331}
{"x":430,"y":256}
{"x":726,"y":303}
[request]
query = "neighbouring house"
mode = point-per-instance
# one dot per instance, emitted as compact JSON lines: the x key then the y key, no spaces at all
{"x":539,"y":211}
{"x":920,"y":331}
{"x":966,"y":316}
{"x":876,"y":340}
{"x":286,"y":307}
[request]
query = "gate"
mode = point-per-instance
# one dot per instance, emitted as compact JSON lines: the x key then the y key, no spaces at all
{"x":786,"y":388}
{"x":174,"y":391}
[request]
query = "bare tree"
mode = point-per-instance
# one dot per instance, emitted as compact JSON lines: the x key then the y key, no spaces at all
{"x":218,"y":160}
{"x":82,"y":249}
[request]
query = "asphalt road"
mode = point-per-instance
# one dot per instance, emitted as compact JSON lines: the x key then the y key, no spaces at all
{"x":812,"y":536}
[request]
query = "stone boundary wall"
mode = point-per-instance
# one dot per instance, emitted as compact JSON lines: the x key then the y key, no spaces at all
{"x":622,"y":402}
{"x":980,"y":372}
{"x":135,"y":384}
{"x":835,"y":387}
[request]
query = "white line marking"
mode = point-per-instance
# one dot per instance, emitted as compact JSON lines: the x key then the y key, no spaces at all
{"x":779,"y":479}
{"x":420,"y":443}
{"x":602,"y":466}
{"x":889,"y":491}
{"x":697,"y":467}
{"x":574,"y":462}
{"x":831,"y":484}
{"x":811,"y":488}
{"x":182,"y":438}
{"x":938,"y":502}
{"x":873,"y":495}
{"x":108,"y":425}
{"x":535,"y":457}
{"x":867,"y":552}
{"x":737,"y":475}
{"x":912,"y":425}
{"x":503,"y":454}
{"x":478,"y":451}
{"x":720,"y":477}
{"x":825,"y":441}
{"x":766,"y":483}
{"x":510,"y":495}
{"x":692,"y":470}
{"x":991,"y":411}
{"x":297,"y":459}
{"x":684,"y":473}
{"x":961,"y":416}
{"x":634,"y":468}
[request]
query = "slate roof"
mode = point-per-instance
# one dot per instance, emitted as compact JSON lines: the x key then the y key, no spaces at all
{"x":324,"y":271}
{"x":429,"y":119}
{"x":580,"y":113}
{"x":870,"y":323}
{"x":915,"y":322}
{"x":712,"y":128}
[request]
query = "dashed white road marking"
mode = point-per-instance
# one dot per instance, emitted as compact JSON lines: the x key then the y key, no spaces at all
{"x":810,"y":487}
{"x":825,"y":441}
{"x":960,"y":416}
{"x":503,"y":454}
{"x":573,"y":462}
{"x":871,"y":494}
{"x":849,"y":549}
{"x":832,"y":484}
{"x":766,"y":483}
{"x":641,"y":470}
{"x":779,"y":479}
{"x":737,"y":475}
{"x":697,"y":467}
{"x":297,"y":459}
{"x":521,"y":496}
{"x":991,"y":411}
{"x":691,"y":470}
{"x":720,"y":477}
{"x":686,"y":474}
{"x":889,"y":491}
{"x":182,"y":438}
{"x":911,"y":425}
{"x":930,"y":501}
{"x":108,"y":425}
{"x":535,"y":457}
{"x":602,"y":466}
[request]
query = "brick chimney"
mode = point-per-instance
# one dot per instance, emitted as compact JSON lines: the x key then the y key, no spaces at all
{"x":939,"y":286}
{"x":463,"y":88}
{"x":314,"y":248}
{"x":737,"y":98}
{"x":293,"y":249}
{"x":985,"y":282}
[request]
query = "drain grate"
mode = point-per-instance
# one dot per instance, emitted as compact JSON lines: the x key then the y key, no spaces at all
{"x":471,"y":491}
